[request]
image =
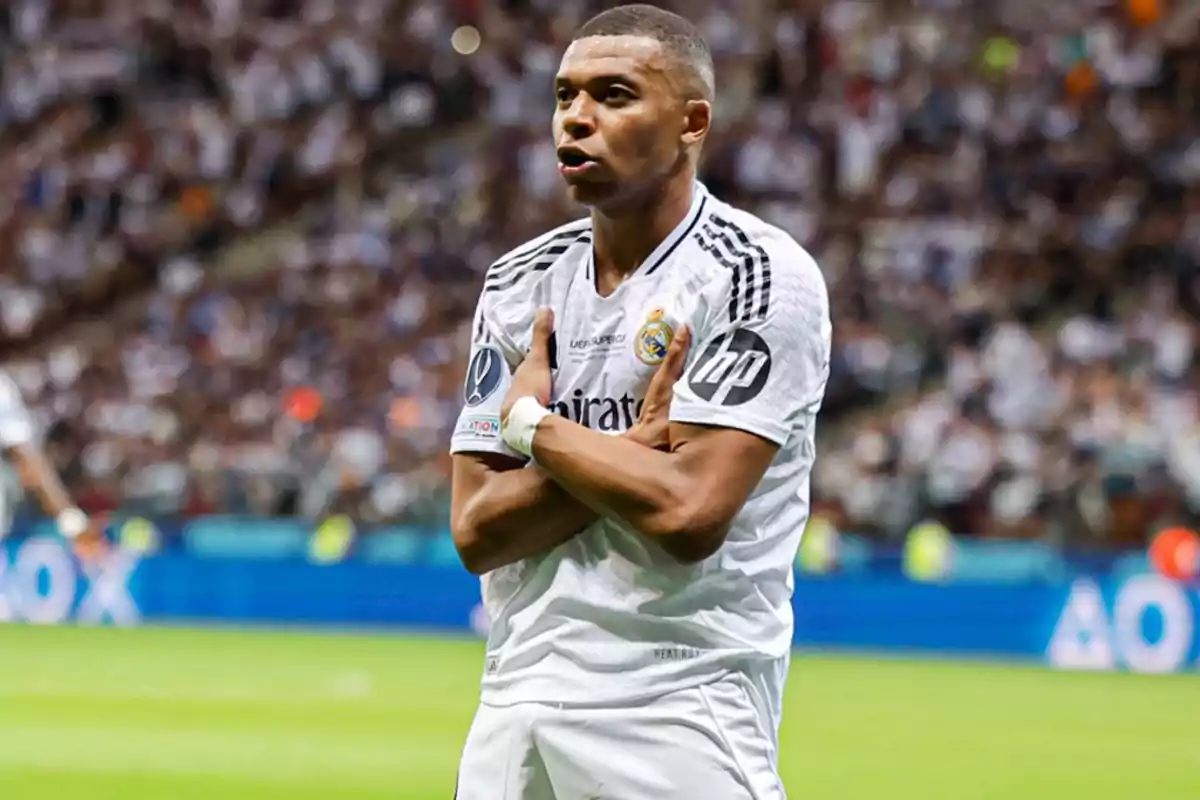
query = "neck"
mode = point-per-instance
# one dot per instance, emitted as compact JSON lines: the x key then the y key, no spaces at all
{"x":623,"y":238}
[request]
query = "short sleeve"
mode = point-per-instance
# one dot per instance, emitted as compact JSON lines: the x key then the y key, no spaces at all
{"x":760,"y":354}
{"x":489,"y":374}
{"x":16,"y":424}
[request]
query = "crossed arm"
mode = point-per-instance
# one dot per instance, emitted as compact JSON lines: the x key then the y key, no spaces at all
{"x":684,"y":499}
{"x":502,"y":511}
{"x":679,"y":484}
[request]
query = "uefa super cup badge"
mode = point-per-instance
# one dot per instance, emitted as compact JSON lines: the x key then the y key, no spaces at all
{"x":653,"y":338}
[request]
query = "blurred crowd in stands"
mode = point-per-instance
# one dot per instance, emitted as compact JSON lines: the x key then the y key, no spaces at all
{"x":242,"y":238}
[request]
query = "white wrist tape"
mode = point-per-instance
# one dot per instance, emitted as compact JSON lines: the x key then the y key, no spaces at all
{"x":522,"y":424}
{"x":72,"y":523}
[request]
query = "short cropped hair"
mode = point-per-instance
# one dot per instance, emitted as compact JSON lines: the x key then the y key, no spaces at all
{"x":680,"y":39}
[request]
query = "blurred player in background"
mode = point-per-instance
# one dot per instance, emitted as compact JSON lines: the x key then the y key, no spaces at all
{"x":18,"y":437}
{"x":632,"y":463}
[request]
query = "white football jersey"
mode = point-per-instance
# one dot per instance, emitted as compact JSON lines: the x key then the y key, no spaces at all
{"x":16,"y":423}
{"x":16,"y":429}
{"x":609,"y":617}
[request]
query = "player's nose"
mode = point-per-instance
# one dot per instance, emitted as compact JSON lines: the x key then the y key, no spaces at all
{"x":578,"y":130}
{"x":579,"y":120}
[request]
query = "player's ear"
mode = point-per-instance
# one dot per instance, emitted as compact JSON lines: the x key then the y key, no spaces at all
{"x":696,"y":121}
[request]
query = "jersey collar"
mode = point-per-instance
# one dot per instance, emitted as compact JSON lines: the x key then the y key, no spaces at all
{"x":660,"y":254}
{"x":684,"y":229}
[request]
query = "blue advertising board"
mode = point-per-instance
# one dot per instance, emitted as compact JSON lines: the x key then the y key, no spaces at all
{"x":1143,"y":623}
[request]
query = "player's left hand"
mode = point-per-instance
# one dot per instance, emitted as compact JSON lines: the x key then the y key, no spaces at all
{"x":532,"y":377}
{"x":653,"y":425}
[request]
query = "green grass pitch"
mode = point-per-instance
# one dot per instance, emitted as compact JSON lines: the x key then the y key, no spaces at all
{"x":230,"y":715}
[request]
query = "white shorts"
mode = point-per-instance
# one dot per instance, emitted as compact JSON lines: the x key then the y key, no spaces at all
{"x":707,"y":743}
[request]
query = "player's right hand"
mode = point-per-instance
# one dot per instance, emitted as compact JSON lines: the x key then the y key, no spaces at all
{"x":532,"y":378}
{"x":653,"y":425}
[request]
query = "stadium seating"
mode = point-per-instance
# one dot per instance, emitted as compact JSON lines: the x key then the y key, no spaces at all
{"x":1005,"y":211}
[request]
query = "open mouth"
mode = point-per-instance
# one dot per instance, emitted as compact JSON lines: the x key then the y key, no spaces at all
{"x":571,"y":160}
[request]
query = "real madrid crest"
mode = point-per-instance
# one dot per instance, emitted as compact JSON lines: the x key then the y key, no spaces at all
{"x":653,"y":338}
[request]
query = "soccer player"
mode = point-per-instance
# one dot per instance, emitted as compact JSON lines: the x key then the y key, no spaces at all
{"x":631,"y":467}
{"x":18,"y":440}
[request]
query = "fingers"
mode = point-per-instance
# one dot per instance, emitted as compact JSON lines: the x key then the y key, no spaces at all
{"x":676,"y":358}
{"x":662,"y":386}
{"x":543,"y":327}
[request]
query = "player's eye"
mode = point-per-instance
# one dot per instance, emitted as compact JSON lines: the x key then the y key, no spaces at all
{"x":563,"y":94}
{"x":615,"y":95}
